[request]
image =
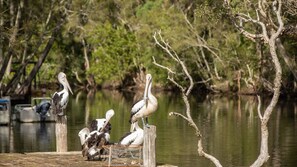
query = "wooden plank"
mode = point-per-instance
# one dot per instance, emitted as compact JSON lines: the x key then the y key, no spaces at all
{"x":149,"y":146}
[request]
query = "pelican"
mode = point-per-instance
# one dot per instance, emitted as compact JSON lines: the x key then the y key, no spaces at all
{"x":43,"y":109}
{"x":145,"y":107}
{"x":92,"y":139}
{"x":60,"y":99}
{"x":133,"y":139}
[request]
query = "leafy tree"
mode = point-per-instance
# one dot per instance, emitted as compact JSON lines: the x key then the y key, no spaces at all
{"x":115,"y":53}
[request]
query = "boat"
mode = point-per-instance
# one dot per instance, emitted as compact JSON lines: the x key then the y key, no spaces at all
{"x":27,"y":112}
{"x":5,"y":107}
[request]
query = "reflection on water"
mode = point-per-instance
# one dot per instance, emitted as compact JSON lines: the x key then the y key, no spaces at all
{"x":230,"y":128}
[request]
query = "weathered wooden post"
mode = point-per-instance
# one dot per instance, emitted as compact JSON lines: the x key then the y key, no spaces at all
{"x":61,"y":134}
{"x":149,"y":146}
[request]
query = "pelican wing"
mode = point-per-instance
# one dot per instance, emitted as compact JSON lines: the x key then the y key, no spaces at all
{"x":123,"y":137}
{"x":137,"y":106}
{"x":64,"y":99}
{"x":128,"y":138}
{"x":56,"y":99}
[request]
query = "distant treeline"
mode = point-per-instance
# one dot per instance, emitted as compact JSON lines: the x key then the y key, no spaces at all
{"x":110,"y":44}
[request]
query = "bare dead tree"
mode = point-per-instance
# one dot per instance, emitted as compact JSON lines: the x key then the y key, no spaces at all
{"x":208,"y":70}
{"x":271,"y":26}
{"x":185,"y":90}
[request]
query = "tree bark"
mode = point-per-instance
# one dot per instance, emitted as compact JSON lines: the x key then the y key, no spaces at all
{"x":264,"y":154}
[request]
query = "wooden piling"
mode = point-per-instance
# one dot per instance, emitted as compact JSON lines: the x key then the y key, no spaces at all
{"x":149,"y":146}
{"x":61,"y":134}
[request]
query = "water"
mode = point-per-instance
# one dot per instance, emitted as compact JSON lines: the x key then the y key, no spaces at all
{"x":230,"y":128}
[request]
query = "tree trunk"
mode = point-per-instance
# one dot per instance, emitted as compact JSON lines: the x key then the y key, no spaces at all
{"x":87,"y":63}
{"x":15,"y":27}
{"x":25,"y":86}
{"x":264,"y":154}
{"x":11,"y":12}
{"x":5,"y":64}
{"x":269,"y":35}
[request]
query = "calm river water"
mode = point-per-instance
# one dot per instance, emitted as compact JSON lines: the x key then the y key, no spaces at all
{"x":230,"y":128}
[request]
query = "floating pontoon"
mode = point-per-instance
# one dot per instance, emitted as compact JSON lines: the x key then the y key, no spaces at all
{"x":5,"y":107}
{"x":27,"y":112}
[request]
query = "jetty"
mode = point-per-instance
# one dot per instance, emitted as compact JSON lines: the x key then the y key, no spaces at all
{"x":25,"y":112}
{"x":54,"y":159}
{"x":141,"y":157}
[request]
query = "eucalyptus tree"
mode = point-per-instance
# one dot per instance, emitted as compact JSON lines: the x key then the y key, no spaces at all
{"x":28,"y":35}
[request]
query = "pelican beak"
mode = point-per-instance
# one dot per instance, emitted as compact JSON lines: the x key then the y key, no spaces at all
{"x":68,"y":86}
{"x":108,"y":116}
{"x":146,"y":92}
{"x":146,"y":102}
{"x":132,"y":127}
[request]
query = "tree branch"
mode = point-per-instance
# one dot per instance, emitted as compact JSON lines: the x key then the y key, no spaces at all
{"x":185,"y":93}
{"x":259,"y":108}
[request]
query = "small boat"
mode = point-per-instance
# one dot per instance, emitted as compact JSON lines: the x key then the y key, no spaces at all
{"x":38,"y":111}
{"x":5,"y":107}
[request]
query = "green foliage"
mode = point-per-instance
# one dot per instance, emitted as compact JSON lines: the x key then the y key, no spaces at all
{"x":115,"y":51}
{"x":119,"y":39}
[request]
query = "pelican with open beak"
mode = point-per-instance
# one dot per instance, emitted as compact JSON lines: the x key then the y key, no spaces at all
{"x":60,"y":99}
{"x":145,"y":107}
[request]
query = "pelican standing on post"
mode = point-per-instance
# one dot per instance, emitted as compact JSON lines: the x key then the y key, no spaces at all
{"x":146,"y":106}
{"x":60,"y":99}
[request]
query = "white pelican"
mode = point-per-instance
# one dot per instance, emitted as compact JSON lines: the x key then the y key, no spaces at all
{"x":93,"y":141}
{"x":133,"y":139}
{"x":146,"y":106}
{"x":60,"y":99}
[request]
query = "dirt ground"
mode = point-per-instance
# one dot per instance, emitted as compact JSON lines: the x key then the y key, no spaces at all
{"x":51,"y":159}
{"x":44,"y":159}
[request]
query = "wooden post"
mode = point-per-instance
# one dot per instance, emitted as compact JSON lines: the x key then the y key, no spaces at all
{"x":61,"y":134}
{"x":149,"y":146}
